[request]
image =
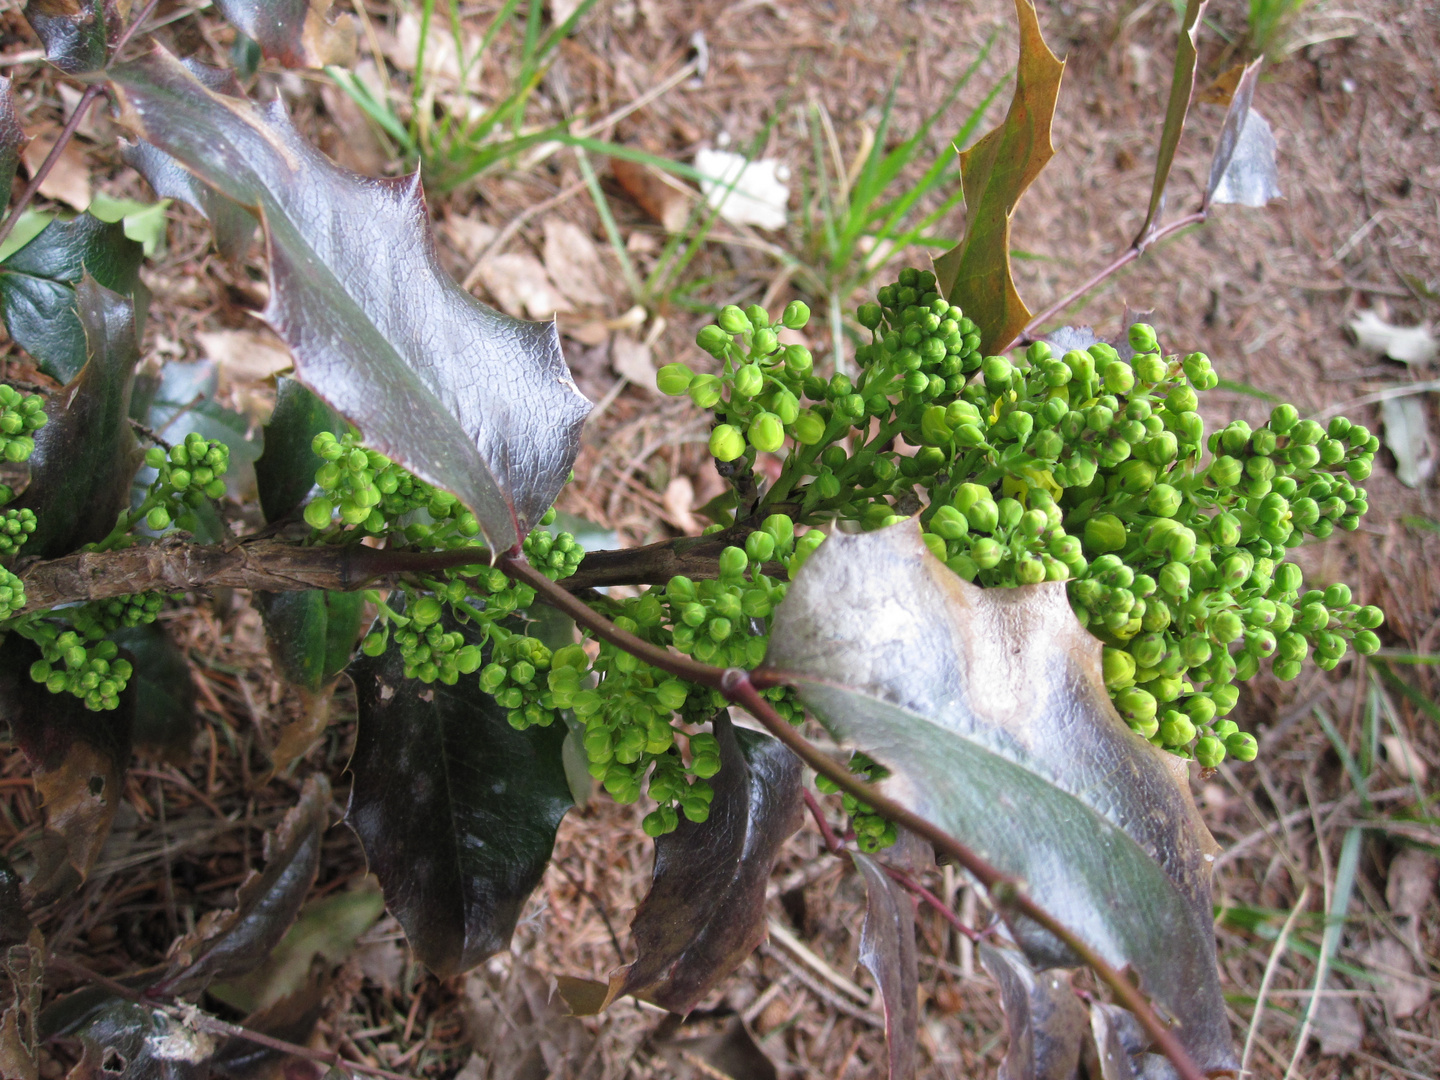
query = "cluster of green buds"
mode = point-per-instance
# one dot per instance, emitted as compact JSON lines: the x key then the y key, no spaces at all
{"x":12,"y":593}
{"x":15,"y":527}
{"x":78,"y":659}
{"x":21,"y":415}
{"x":756,"y":395}
{"x":872,"y":832}
{"x":371,"y":494}
{"x":189,"y":473}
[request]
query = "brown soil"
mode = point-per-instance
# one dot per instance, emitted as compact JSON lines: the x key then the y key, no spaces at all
{"x":1266,"y":293}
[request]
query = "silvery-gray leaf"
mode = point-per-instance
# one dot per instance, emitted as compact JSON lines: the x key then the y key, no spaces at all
{"x":1407,"y":434}
{"x":1251,"y":178}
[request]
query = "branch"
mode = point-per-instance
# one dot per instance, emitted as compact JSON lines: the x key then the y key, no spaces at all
{"x":1006,"y":892}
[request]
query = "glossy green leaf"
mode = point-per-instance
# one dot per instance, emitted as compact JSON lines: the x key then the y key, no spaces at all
{"x":311,"y":633}
{"x":164,"y":718}
{"x":37,"y":287}
{"x":994,"y":174}
{"x":12,"y":140}
{"x":295,"y":33}
{"x":1182,"y":88}
{"x":705,"y":911}
{"x":285,"y":471}
{"x":1046,"y":1023}
{"x":457,"y":811}
{"x":266,"y":903}
{"x":887,"y":949}
{"x":79,"y":758}
{"x":77,"y":34}
{"x":477,"y":403}
{"x":989,"y":708}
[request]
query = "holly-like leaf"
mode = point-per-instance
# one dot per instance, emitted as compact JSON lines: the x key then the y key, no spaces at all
{"x":12,"y":140}
{"x":38,"y":283}
{"x":151,"y":1044}
{"x":285,"y":471}
{"x":231,"y":225}
{"x":86,"y":455}
{"x":470,"y":400}
{"x":705,"y":911}
{"x":989,"y":708}
{"x":79,"y":758}
{"x":887,"y":949}
{"x":77,"y":34}
{"x":1182,"y":88}
{"x":238,"y":941}
{"x":1046,"y":1023}
{"x":457,"y":810}
{"x":1252,"y":177}
{"x":994,"y":174}
{"x":164,"y":712}
{"x":1228,"y":144}
{"x":295,"y":33}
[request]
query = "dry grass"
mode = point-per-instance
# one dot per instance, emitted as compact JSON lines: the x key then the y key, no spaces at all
{"x":1265,"y":293}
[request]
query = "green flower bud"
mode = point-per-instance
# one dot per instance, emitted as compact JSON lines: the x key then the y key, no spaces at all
{"x":1176,"y":729}
{"x":764,"y":342}
{"x":733,"y":321}
{"x":797,"y":314}
{"x":733,"y":562}
{"x":1135,"y":705}
{"x":726,"y":443}
{"x":1142,"y":340}
{"x":936,"y":545}
{"x":749,"y":381}
{"x":705,"y":390}
{"x":798,"y":361}
{"x":1119,"y":377}
{"x":1163,"y":501}
{"x":1119,"y":668}
{"x":767,"y":433}
{"x":318,"y":512}
{"x":1225,"y":472}
{"x":934,"y":430}
{"x":949,"y":523}
{"x":987,"y":553}
{"x":674,"y":379}
{"x":1209,"y":751}
{"x":868,"y":315}
{"x":1104,"y":532}
{"x":782,"y":529}
{"x":158,"y":518}
{"x":1242,"y":746}
{"x":997,"y":372}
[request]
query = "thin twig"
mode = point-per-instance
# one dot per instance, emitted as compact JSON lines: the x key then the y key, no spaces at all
{"x":1006,"y":893}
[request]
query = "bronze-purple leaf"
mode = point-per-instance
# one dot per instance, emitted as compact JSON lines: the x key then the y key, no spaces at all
{"x":470,"y":400}
{"x":266,"y":903}
{"x":1045,"y":1020}
{"x":295,"y":33}
{"x":12,"y":140}
{"x":989,"y":708}
{"x":705,"y":911}
{"x":77,"y":34}
{"x":456,"y":809}
{"x":887,"y":949}
{"x":86,"y":456}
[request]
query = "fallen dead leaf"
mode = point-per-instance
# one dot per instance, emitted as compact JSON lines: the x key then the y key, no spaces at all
{"x":69,"y":179}
{"x":573,"y":263}
{"x":1410,"y":883}
{"x":521,"y":287}
{"x":631,"y":359}
{"x":469,"y":236}
{"x":1403,"y":760}
{"x":1337,"y":1025}
{"x":663,"y":201}
{"x":678,"y":499}
{"x":744,"y":192}
{"x":1407,"y":434}
{"x":1403,"y":992}
{"x":1408,"y":344}
{"x":244,"y":356}
{"x":358,"y":148}
{"x":590,"y":332}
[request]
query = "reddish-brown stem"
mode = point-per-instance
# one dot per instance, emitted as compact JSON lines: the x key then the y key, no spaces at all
{"x":1006,"y":893}
{"x":906,"y":881}
{"x":832,"y":842}
{"x":93,"y":91}
{"x":1128,"y":256}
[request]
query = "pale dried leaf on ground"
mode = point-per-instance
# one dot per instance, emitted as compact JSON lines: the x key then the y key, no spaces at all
{"x":1408,"y":344}
{"x":1336,"y":1025}
{"x":1251,"y":179}
{"x":632,"y":360}
{"x":521,"y":287}
{"x":1410,"y":885}
{"x":759,"y":195}
{"x":69,"y":178}
{"x":661,"y":198}
{"x":1393,"y":966}
{"x":1407,"y":434}
{"x":679,"y":499}
{"x":468,"y":235}
{"x":573,"y":262}
{"x":244,"y":356}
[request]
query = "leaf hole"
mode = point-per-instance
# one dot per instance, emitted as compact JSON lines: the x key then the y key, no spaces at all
{"x":112,"y":1061}
{"x":97,"y":786}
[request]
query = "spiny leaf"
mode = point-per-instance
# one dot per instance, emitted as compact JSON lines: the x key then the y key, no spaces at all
{"x":285,"y":472}
{"x":150,"y":1043}
{"x":86,"y":455}
{"x":989,"y":708}
{"x":77,"y":34}
{"x":295,"y":33}
{"x":457,"y":810}
{"x":79,"y":758}
{"x":887,"y":949}
{"x":1230,"y":130}
{"x":1043,"y":1017}
{"x":37,"y":287}
{"x":231,"y":224}
{"x":238,"y":941}
{"x":994,"y":174}
{"x":12,"y":140}
{"x":1182,"y":87}
{"x":472,"y":401}
{"x":705,"y":911}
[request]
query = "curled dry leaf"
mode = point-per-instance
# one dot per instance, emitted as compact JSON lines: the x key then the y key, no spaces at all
{"x":235,"y":942}
{"x":666,"y":202}
{"x":573,"y":262}
{"x":744,"y":192}
{"x":295,"y":33}
{"x":705,"y":911}
{"x":521,"y":285}
{"x":1407,"y":434}
{"x":887,"y":949}
{"x":1182,"y":86}
{"x":989,"y":708}
{"x":472,"y":401}
{"x":68,"y":180}
{"x":1046,"y":1023}
{"x":994,"y":174}
{"x":632,"y":360}
{"x":1243,"y":168}
{"x":1408,"y":344}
